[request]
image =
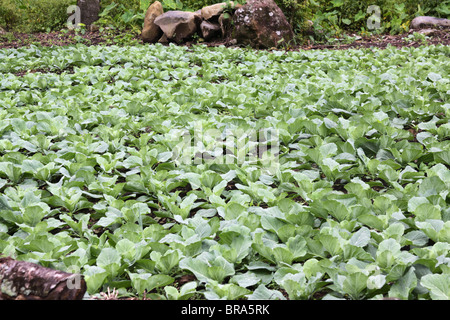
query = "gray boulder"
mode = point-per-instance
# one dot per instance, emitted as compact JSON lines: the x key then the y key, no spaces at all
{"x":178,"y":25}
{"x":424,"y":22}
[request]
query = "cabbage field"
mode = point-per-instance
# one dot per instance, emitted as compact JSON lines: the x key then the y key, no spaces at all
{"x":176,"y":172}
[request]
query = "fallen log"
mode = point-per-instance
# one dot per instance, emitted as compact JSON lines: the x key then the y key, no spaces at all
{"x":21,"y":280}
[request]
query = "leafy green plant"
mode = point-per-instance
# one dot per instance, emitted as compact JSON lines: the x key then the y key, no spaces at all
{"x":186,"y":291}
{"x":417,"y":37}
{"x":123,"y":16}
{"x":348,"y":200}
{"x":191,"y":5}
{"x":172,"y":5}
{"x":297,"y":12}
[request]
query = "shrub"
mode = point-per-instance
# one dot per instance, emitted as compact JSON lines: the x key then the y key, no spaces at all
{"x":120,"y":5}
{"x":129,"y":15}
{"x":34,"y":15}
{"x":195,"y":5}
{"x":338,"y":15}
{"x":137,"y":6}
{"x":8,"y":14}
{"x":123,"y":15}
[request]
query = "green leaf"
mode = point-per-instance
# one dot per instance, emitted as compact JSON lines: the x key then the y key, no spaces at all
{"x":296,"y":284}
{"x":34,"y":213}
{"x":187,"y":290}
{"x":126,"y":249}
{"x":431,"y":228}
{"x":297,"y":246}
{"x":168,"y":261}
{"x":434,"y":76}
{"x":438,"y":285}
{"x":354,"y":284}
{"x":431,"y":186}
{"x":235,"y":246}
{"x":443,"y":157}
{"x":140,"y":281}
{"x":376,"y":281}
{"x":444,"y":233}
{"x":417,"y":238}
{"x":247,"y":279}
{"x":371,"y":220}
{"x":158,"y":280}
{"x":40,"y":244}
{"x":94,"y":277}
{"x":336,"y":209}
{"x":387,"y":252}
{"x":221,"y":269}
{"x":360,"y":238}
{"x":427,"y":211}
{"x":283,"y":255}
{"x":205,"y":271}
{"x":263,"y":293}
{"x":132,"y":161}
{"x":346,"y":21}
{"x":404,"y":286}
{"x":331,"y":244}
{"x":228,"y":291}
{"x":271,"y":223}
{"x":109,"y":259}
{"x":4,"y":204}
{"x":31,"y":166}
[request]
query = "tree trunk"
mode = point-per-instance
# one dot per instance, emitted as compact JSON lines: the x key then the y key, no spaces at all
{"x":21,"y":280}
{"x":90,"y":10}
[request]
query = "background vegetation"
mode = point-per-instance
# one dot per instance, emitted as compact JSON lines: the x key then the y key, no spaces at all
{"x":34,"y":15}
{"x":355,"y":204}
{"x":329,"y":17}
{"x":338,"y":15}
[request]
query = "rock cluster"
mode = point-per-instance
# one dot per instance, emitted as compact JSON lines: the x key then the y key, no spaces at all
{"x":178,"y":25}
{"x":258,"y":23}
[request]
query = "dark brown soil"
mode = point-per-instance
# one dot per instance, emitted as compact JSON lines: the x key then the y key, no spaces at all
{"x":16,"y":40}
{"x":63,"y":38}
{"x":383,"y":41}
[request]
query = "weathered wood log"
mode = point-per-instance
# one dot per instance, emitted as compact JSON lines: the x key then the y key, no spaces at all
{"x":21,"y":280}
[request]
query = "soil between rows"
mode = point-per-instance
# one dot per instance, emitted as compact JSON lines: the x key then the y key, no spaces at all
{"x":61,"y":38}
